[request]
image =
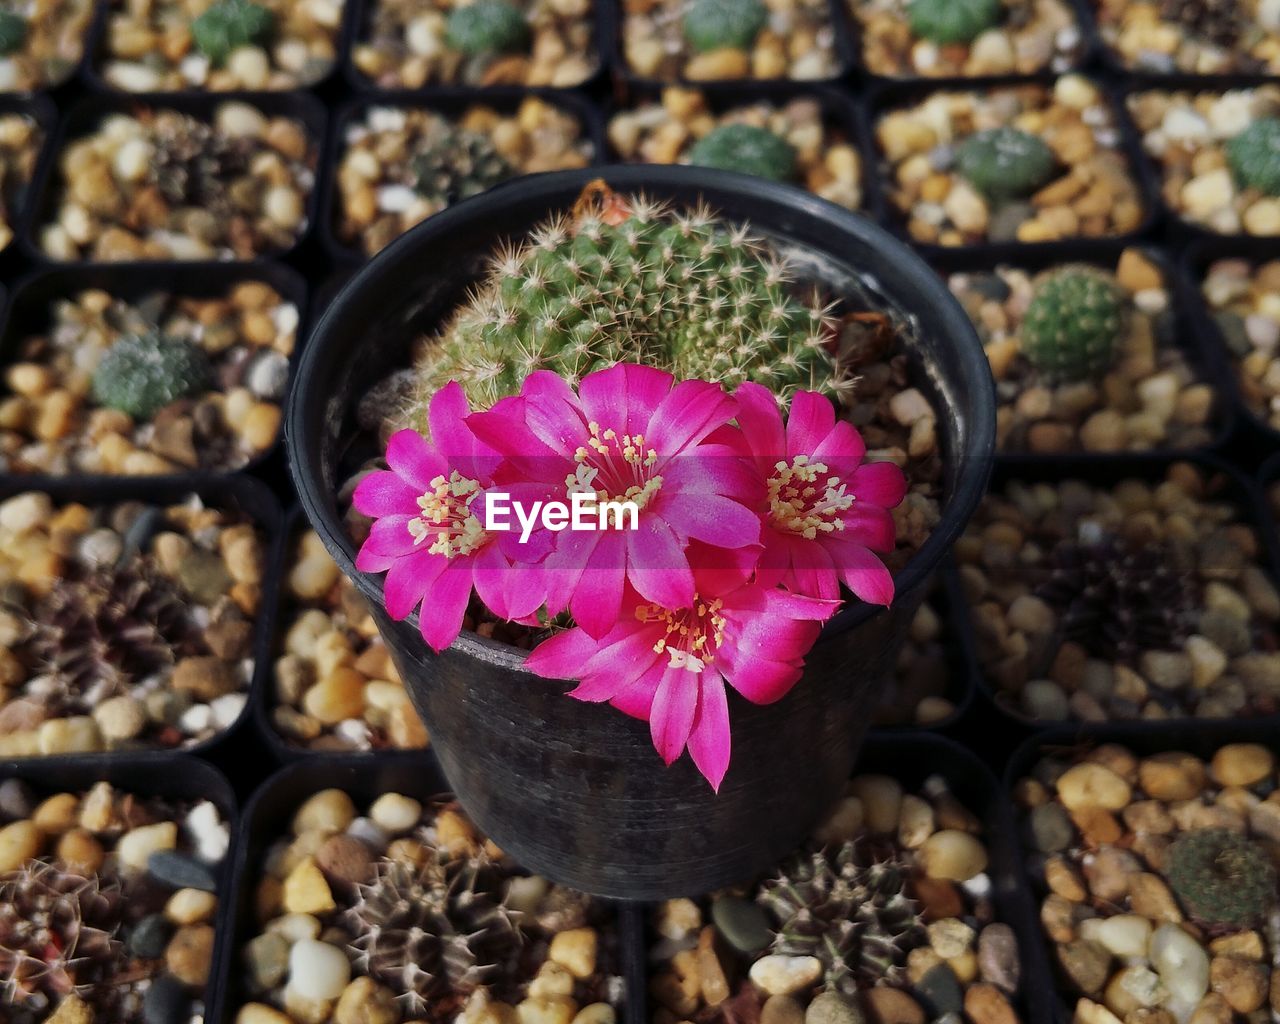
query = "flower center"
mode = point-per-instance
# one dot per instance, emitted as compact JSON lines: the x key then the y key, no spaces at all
{"x":692,"y":634}
{"x":805,"y":499}
{"x":615,"y":467}
{"x":447,"y":521}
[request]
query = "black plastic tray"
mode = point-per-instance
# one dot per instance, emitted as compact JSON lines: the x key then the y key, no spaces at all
{"x":266,"y":818}
{"x":887,"y":96}
{"x":175,"y":776}
{"x":45,"y":114}
{"x":1184,"y":306}
{"x":1239,"y":491}
{"x":453,"y":104}
{"x":231,"y":492}
{"x":910,"y":759}
{"x":1198,"y":737}
{"x":27,"y":312}
{"x":84,"y":117}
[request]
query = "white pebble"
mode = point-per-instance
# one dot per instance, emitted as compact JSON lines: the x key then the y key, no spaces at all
{"x":396,"y":198}
{"x":395,"y":813}
{"x":226,"y":709}
{"x":1124,"y":935}
{"x":209,"y":833}
{"x":133,"y":160}
{"x":318,"y":970}
{"x":780,"y":975}
{"x":1182,"y":964}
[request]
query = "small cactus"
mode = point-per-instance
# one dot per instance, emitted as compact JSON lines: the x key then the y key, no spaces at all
{"x":952,"y":21}
{"x":1254,"y":156}
{"x":745,"y":148}
{"x":13,"y":32}
{"x":142,"y":373}
{"x":1071,"y":330}
{"x":486,"y":26}
{"x":1222,"y":877}
{"x":1004,"y":163}
{"x":454,"y":164}
{"x":228,"y":25}
{"x":717,"y":24}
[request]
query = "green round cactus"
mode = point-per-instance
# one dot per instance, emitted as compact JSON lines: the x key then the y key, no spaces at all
{"x":720,"y":24}
{"x":454,"y":164}
{"x":1254,"y":156}
{"x":1004,"y":163}
{"x":1071,"y":330}
{"x":486,"y":26}
{"x":682,"y":291}
{"x":228,"y":25}
{"x":13,"y":32}
{"x":952,"y":21}
{"x":1221,"y":877}
{"x":745,"y":148}
{"x":142,"y":373}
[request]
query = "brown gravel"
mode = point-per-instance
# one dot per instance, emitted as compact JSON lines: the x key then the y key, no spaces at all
{"x":20,"y":141}
{"x":1245,"y":301}
{"x":404,"y":47}
{"x":148,"y":47}
{"x":1095,"y":196}
{"x":54,"y":44}
{"x":1215,"y":38}
{"x":1152,"y":397}
{"x":827,"y":162}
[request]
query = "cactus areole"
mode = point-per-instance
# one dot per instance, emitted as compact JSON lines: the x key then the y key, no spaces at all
{"x":670,"y":337}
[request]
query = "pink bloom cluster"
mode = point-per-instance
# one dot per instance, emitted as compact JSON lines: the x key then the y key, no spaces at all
{"x":746,"y":528}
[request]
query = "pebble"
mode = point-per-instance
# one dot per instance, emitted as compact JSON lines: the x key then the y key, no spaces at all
{"x":345,"y":860}
{"x":1086,"y":786}
{"x":120,"y":718}
{"x":781,"y":1010}
{"x":940,"y":990}
{"x":71,"y":1010}
{"x":888,"y":1005}
{"x":986,"y":1004}
{"x":1242,"y":764}
{"x":881,"y":798}
{"x":364,"y":1001}
{"x":261,"y":1013}
{"x":779,"y":975}
{"x":19,"y":843}
{"x":150,"y":937}
{"x":742,"y":923}
{"x":1086,"y":964}
{"x":136,"y":847}
{"x":998,"y":960}
{"x":16,"y":799}
{"x":831,"y":1008}
{"x":575,"y":949}
{"x":1242,"y":983}
{"x":395,"y":814}
{"x":1181,"y":962}
{"x":1121,"y":935}
{"x":189,"y":954}
{"x":181,"y":871}
{"x":210,"y":834}
{"x":267,"y":958}
{"x":953,"y":855}
{"x":330,"y":810}
{"x":166,"y":1002}
{"x":306,"y":891}
{"x":190,"y":906}
{"x":318,"y":970}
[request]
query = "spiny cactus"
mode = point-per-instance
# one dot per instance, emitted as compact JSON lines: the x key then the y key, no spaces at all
{"x":192,"y":163}
{"x":1254,"y":156}
{"x":57,"y":935}
{"x":1072,"y":328}
{"x":1004,"y":163}
{"x":142,"y":373}
{"x":94,"y":637}
{"x":228,"y":25}
{"x":846,"y":908}
{"x":486,"y":26}
{"x":633,"y":281}
{"x":720,"y":24}
{"x":13,"y":32}
{"x":435,"y":931}
{"x":745,"y":148}
{"x":454,"y":164}
{"x":1117,"y":598}
{"x":1222,"y":877}
{"x":952,"y":21}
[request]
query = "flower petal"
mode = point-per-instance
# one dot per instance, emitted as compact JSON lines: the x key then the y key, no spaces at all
{"x":636,"y":698}
{"x":712,"y":519}
{"x":445,"y":604}
{"x":597,"y":598}
{"x":688,"y":414}
{"x":446,"y":415}
{"x":412,"y":458}
{"x":880,"y":483}
{"x":709,"y":738}
{"x":389,"y":538}
{"x":624,"y":396}
{"x":407,"y":581}
{"x":809,"y":422}
{"x":553,"y":413}
{"x":383,"y":493}
{"x":841,"y":447}
{"x":761,"y":422}
{"x":864,"y":574}
{"x":657,"y":565}
{"x":763,"y":681}
{"x":562,"y":655}
{"x":671,"y":716}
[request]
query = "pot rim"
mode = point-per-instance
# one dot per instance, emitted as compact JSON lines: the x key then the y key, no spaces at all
{"x":546,"y":191}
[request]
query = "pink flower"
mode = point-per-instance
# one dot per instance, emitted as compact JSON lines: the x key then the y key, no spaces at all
{"x":825,"y":511}
{"x":669,"y":665}
{"x":631,"y":433}
{"x":427,"y":534}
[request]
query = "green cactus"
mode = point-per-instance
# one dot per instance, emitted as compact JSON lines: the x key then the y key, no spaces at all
{"x":486,"y":26}
{"x":745,"y":148}
{"x":717,"y":24}
{"x":1005,"y":163}
{"x":952,"y":21}
{"x":1254,"y":156}
{"x":142,"y":373}
{"x":13,"y":32}
{"x":633,"y":282}
{"x":453,"y":164}
{"x":228,"y":25}
{"x":1222,"y":877}
{"x":1072,"y":328}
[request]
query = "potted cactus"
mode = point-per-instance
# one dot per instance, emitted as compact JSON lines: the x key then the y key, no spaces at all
{"x":530,"y":307}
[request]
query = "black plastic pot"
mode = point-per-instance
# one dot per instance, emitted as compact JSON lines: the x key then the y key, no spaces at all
{"x":1196,"y":260}
{"x":1237,"y":489}
{"x":238,"y":493}
{"x":265,"y":820}
{"x":1184,"y":306}
{"x":573,"y":791}
{"x":885,"y":97}
{"x":44,"y":113}
{"x":1199,"y":738}
{"x":839,"y":113}
{"x":452,"y":105}
{"x":171,"y":776}
{"x":28,"y":311}
{"x":911,"y":760}
{"x":87,"y":114}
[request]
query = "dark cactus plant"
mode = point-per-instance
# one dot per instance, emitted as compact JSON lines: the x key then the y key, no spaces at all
{"x":745,"y":148}
{"x":724,"y":24}
{"x":13,"y":32}
{"x":1073,"y":326}
{"x":952,"y":21}
{"x":140,"y":374}
{"x":486,"y":26}
{"x":454,"y":164}
{"x":1221,"y":877}
{"x":1005,"y":163}
{"x":229,"y":25}
{"x":1254,"y":156}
